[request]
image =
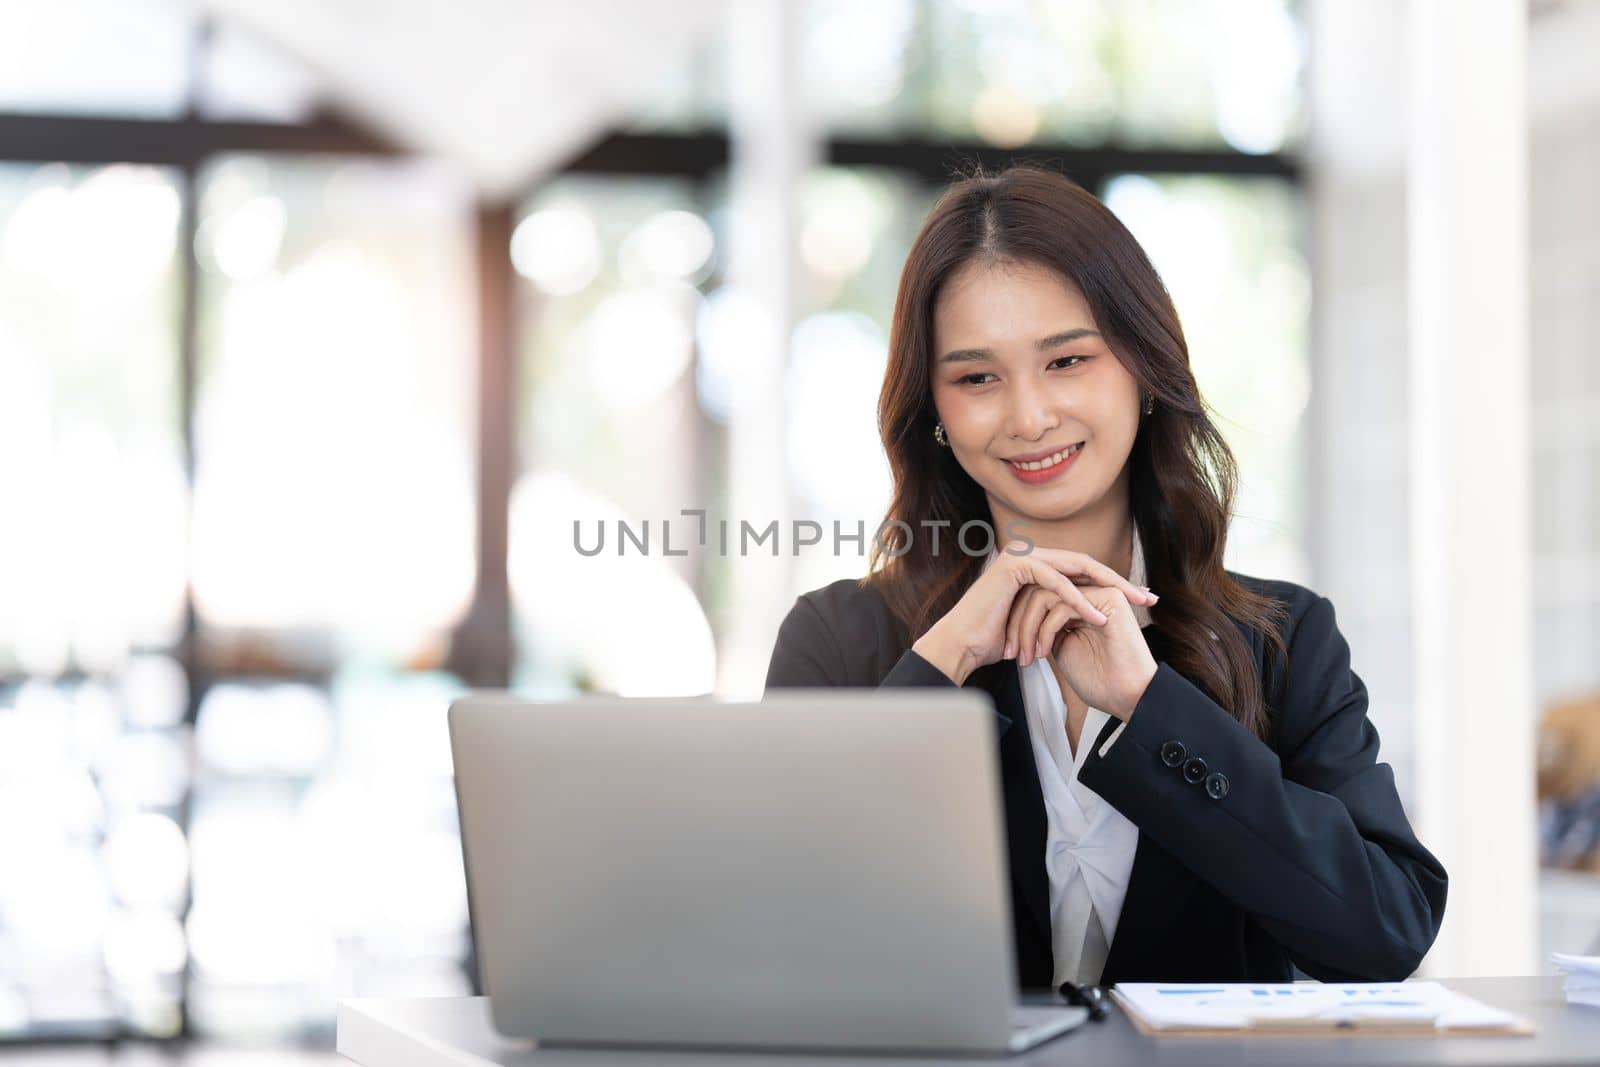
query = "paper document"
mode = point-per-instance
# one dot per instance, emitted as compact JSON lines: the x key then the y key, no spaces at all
{"x":1306,"y":1005}
{"x":1583,"y":978}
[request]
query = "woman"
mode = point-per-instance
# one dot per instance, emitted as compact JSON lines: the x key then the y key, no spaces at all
{"x":1191,"y":782}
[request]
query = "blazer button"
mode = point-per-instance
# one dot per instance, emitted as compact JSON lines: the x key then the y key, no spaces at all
{"x":1216,"y":785}
{"x":1194,"y":770}
{"x":1172,"y":753}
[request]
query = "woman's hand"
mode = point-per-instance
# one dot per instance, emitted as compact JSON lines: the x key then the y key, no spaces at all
{"x":973,"y":633}
{"x":1108,"y":666}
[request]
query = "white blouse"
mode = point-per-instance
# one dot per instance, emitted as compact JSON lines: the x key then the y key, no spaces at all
{"x":1089,"y":845}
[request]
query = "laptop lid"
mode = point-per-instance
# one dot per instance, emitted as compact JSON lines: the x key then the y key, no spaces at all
{"x":825,"y":868}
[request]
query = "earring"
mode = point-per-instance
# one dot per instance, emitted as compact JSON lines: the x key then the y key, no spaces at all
{"x":1149,"y":403}
{"x":939,"y":435}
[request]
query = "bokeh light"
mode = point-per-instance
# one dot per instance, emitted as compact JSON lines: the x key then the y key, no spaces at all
{"x":556,"y":249}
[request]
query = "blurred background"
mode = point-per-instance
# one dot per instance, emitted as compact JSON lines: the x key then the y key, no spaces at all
{"x":321,"y":326}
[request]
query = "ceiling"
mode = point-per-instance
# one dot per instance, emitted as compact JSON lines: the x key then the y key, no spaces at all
{"x":505,"y":88}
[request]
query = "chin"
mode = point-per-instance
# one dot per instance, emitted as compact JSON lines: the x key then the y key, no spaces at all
{"x":1050,"y":510}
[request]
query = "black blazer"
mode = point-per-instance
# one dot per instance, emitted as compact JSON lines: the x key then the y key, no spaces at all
{"x":1253,"y":855}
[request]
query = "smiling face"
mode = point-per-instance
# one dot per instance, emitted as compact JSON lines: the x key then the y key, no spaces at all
{"x":1021,"y":372}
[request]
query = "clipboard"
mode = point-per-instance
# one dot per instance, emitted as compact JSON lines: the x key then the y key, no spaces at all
{"x":1423,"y":1024}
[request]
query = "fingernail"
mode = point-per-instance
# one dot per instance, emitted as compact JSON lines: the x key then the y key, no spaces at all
{"x":1011,"y":650}
{"x":1101,"y":615}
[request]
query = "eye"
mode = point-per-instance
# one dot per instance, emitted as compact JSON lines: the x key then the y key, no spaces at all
{"x":1058,"y":359}
{"x":967,"y":379}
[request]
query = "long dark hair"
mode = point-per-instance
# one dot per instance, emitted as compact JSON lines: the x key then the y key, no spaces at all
{"x":1182,"y":474}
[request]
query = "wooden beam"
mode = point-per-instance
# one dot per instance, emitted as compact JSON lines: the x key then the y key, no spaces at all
{"x":699,"y":154}
{"x":695,"y":154}
{"x":481,"y":649}
{"x":938,"y":161}
{"x":175,"y":142}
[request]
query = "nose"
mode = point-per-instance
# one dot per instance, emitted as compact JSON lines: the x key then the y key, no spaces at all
{"x":1031,"y":415}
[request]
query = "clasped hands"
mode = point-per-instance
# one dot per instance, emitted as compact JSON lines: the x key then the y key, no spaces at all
{"x":1066,"y":605}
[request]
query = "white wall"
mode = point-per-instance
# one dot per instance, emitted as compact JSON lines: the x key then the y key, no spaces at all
{"x":1360,"y":335}
{"x":1360,"y":526}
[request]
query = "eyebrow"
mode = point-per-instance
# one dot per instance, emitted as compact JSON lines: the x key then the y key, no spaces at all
{"x":972,"y":355}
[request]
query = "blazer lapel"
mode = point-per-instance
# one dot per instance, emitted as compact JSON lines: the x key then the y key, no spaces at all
{"x":1143,"y":910}
{"x":1026,"y":828}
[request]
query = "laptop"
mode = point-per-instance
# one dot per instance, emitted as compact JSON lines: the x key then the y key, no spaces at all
{"x":824,"y":870}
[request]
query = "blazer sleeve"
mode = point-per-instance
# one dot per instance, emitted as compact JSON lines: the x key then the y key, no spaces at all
{"x":807,"y":654}
{"x":1313,"y":844}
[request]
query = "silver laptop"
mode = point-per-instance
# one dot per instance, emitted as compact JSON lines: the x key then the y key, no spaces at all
{"x":825,"y":869}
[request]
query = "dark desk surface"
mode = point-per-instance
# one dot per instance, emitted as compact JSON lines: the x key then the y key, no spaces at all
{"x":452,"y":1031}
